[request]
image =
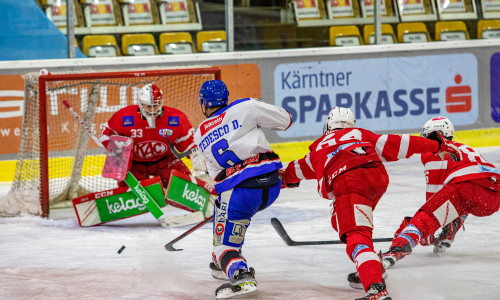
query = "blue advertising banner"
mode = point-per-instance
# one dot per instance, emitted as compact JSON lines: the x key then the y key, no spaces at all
{"x":495,"y":87}
{"x":384,"y":93}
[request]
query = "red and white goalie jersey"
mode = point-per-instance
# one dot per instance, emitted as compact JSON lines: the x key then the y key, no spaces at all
{"x":341,"y":150}
{"x":440,"y":170}
{"x":150,"y":143}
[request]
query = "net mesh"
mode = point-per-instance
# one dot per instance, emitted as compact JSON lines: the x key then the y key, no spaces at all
{"x":75,"y":162}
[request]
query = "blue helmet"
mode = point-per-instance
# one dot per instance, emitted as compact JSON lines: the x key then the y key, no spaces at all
{"x":214,"y":93}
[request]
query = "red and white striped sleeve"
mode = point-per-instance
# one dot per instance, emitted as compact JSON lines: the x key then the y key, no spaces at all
{"x":300,"y":169}
{"x":392,"y":147}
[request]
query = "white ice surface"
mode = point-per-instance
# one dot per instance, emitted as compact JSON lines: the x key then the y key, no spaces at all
{"x":57,"y":259}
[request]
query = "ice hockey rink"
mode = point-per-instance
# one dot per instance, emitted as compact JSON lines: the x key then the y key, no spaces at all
{"x":57,"y":259}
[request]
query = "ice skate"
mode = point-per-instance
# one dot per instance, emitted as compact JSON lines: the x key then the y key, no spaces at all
{"x":355,"y":282}
{"x":446,"y":237}
{"x":217,"y":273}
{"x":395,"y":254}
{"x":377,"y":291}
{"x":243,"y":283}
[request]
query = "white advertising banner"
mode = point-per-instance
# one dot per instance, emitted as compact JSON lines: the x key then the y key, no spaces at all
{"x":384,"y":93}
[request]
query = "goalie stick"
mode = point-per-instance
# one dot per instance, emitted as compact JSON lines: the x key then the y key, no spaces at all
{"x":177,"y":153}
{"x":286,"y":238}
{"x":169,"y":246}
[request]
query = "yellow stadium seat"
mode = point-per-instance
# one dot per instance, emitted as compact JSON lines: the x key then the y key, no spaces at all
{"x":100,"y":46}
{"x":388,"y":36}
{"x":211,"y":41}
{"x":413,"y":33}
{"x":139,"y":44}
{"x":348,"y":35}
{"x":176,"y":43}
{"x":451,"y":31}
{"x":488,"y":29}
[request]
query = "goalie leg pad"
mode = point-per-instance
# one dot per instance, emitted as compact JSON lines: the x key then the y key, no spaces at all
{"x":102,"y":207}
{"x":185,"y":192}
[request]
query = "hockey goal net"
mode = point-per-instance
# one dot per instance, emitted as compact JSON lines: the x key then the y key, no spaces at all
{"x":57,"y":160}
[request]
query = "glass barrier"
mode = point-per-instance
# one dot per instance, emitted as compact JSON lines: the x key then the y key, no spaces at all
{"x":277,"y":24}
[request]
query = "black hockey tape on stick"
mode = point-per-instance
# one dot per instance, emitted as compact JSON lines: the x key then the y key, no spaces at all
{"x":170,"y":246}
{"x":177,"y":153}
{"x":288,"y":240}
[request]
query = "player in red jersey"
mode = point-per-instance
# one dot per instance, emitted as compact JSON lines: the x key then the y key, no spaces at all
{"x":347,"y":162}
{"x":149,"y":124}
{"x":458,"y":184}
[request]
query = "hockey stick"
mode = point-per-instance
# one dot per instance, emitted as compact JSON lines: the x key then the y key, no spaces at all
{"x":82,"y":123}
{"x":177,"y":153}
{"x":169,"y":246}
{"x":284,"y":235}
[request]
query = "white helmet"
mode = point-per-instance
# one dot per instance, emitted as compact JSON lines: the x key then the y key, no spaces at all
{"x":440,"y":124}
{"x":150,"y":103}
{"x":339,"y":117}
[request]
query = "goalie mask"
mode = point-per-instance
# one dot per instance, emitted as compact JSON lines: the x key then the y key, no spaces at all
{"x":440,"y":124}
{"x":338,"y":118}
{"x":150,"y":103}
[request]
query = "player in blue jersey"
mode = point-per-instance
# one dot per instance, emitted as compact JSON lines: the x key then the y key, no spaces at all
{"x":245,"y":170}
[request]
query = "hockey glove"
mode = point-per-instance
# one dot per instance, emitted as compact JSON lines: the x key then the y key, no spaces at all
{"x":285,"y":184}
{"x":445,"y":146}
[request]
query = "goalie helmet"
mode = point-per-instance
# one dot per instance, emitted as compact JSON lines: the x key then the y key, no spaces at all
{"x":339,"y":117}
{"x":440,"y":124}
{"x":150,"y":103}
{"x":214,"y":93}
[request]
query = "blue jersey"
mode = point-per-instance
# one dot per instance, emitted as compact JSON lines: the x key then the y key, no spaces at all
{"x":234,"y":145}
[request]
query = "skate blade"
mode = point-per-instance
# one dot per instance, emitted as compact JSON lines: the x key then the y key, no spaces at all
{"x":220,"y":275}
{"x":355,"y":285}
{"x":359,"y":286}
{"x":230,"y":293}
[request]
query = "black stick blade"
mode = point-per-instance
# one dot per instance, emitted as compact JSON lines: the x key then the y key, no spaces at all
{"x":281,"y":232}
{"x":288,"y":240}
{"x":169,"y":247}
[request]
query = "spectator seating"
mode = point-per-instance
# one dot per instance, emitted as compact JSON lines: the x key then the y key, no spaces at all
{"x":413,"y":33}
{"x":100,"y":46}
{"x":451,"y":31}
{"x":388,"y":36}
{"x":348,"y":35}
{"x":488,"y":29}
{"x":176,"y":43}
{"x":211,"y":41}
{"x":139,"y":44}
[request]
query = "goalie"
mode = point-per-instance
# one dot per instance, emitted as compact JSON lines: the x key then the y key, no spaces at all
{"x":149,"y":124}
